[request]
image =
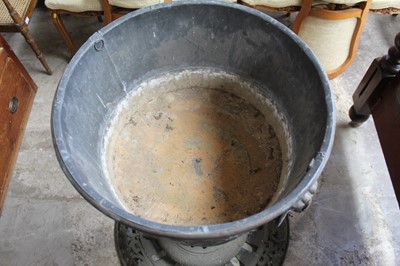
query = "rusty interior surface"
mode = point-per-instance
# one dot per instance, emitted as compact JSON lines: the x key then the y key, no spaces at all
{"x":189,"y":149}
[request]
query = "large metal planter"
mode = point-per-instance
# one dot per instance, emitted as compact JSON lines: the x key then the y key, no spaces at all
{"x":179,"y":35}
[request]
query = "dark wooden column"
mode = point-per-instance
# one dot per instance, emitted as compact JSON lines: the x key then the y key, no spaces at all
{"x":379,"y":94}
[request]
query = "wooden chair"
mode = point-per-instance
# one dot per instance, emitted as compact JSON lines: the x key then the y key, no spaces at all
{"x":73,"y":7}
{"x":114,"y":9}
{"x":332,"y":31}
{"x":15,"y":16}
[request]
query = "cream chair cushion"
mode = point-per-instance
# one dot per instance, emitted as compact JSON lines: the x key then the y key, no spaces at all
{"x":344,"y":2}
{"x":232,"y":1}
{"x":283,"y":3}
{"x":142,"y":3}
{"x":134,"y":3}
{"x":274,"y":3}
{"x":329,"y":39}
{"x":382,"y":4}
{"x":75,"y":6}
{"x":375,"y":4}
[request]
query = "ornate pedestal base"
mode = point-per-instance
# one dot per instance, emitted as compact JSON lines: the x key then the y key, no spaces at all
{"x":265,"y":246}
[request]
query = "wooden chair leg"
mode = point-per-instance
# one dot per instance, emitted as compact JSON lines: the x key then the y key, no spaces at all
{"x":107,"y":12}
{"x":29,"y":39}
{"x":55,"y":17}
{"x":23,"y":28}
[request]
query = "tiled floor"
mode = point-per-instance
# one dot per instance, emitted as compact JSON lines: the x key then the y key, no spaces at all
{"x":353,"y":220}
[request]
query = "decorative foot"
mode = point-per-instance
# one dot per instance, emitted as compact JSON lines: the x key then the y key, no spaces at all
{"x":356,"y":119}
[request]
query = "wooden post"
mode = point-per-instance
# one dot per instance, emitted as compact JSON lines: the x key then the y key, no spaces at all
{"x":379,"y":94}
{"x":381,"y":72}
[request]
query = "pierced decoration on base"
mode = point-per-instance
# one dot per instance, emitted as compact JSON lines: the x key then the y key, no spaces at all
{"x":265,"y":246}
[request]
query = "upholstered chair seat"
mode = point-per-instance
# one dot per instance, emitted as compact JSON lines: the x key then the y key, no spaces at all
{"x":114,"y":9}
{"x":76,"y":6}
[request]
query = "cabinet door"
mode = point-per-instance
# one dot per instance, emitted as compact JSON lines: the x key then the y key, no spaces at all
{"x":17,"y":91}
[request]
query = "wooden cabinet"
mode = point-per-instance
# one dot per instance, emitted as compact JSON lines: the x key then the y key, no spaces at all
{"x":17,"y":91}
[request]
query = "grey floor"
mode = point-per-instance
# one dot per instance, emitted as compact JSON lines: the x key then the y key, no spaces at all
{"x":353,"y":220}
